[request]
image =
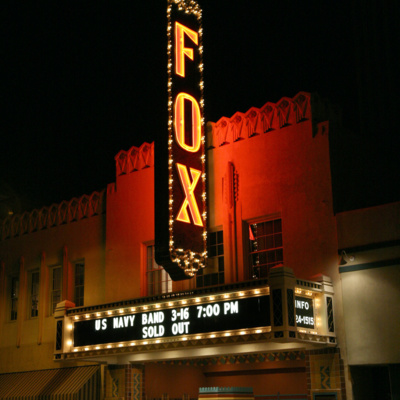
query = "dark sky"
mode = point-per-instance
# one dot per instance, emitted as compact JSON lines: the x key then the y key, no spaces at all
{"x":86,"y":79}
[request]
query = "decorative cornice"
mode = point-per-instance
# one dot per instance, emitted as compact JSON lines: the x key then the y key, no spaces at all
{"x":257,"y":121}
{"x":55,"y":215}
{"x":135,"y":159}
{"x":271,"y":116}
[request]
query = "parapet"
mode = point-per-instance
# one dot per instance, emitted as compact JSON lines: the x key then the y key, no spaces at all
{"x":57,"y":214}
{"x":135,"y":159}
{"x":271,"y":116}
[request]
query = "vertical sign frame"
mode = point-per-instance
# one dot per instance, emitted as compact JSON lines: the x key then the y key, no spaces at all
{"x":180,"y":175}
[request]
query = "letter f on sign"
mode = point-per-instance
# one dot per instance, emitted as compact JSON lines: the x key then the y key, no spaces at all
{"x":180,"y":50}
{"x":190,"y":200}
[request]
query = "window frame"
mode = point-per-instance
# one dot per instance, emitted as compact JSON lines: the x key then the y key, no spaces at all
{"x":165,"y":285}
{"x":268,"y":249}
{"x":79,"y":285}
{"x":53,"y":305}
{"x":218,"y":259}
{"x":30,"y":296}
{"x":14,"y":299}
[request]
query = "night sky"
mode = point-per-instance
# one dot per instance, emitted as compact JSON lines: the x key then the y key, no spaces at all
{"x":86,"y":79}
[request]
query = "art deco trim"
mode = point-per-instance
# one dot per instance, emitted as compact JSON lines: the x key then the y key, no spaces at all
{"x":55,"y":215}
{"x":135,"y":159}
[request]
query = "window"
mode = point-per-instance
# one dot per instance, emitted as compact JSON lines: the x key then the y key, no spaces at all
{"x":56,"y":287}
{"x":33,"y":294}
{"x":265,"y":242}
{"x":14,"y":298}
{"x":213,"y":273}
{"x":158,"y":280}
{"x":79,"y":286}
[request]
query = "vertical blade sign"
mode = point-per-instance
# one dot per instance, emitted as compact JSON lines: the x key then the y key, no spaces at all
{"x":183,"y":250}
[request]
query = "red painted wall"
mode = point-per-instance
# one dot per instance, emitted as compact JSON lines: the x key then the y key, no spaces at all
{"x":284,"y":172}
{"x":130,"y":225}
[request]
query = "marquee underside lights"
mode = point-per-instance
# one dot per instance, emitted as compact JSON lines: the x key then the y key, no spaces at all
{"x":180,"y":171}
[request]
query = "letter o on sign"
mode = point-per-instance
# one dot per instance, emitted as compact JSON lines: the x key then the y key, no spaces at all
{"x":180,"y":122}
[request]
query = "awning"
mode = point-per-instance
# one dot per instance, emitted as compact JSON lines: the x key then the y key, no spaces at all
{"x":78,"y":383}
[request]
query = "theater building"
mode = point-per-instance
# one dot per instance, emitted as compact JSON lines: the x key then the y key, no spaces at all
{"x":85,"y":310}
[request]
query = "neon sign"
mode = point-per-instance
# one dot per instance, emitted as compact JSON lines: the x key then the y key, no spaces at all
{"x":180,"y":176}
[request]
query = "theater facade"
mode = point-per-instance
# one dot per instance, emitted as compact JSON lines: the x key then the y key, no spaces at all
{"x":86,"y":310}
{"x":213,"y":267}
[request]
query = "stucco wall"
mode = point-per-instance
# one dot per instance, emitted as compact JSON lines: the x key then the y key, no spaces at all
{"x":371,"y":301}
{"x":371,"y":283}
{"x":28,"y":343}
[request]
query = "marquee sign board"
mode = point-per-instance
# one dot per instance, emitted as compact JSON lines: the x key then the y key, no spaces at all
{"x":234,"y":314}
{"x":180,"y":172}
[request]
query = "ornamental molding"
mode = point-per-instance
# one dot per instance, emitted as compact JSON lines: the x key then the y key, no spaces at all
{"x":271,"y":116}
{"x":135,"y":159}
{"x":54,"y":215}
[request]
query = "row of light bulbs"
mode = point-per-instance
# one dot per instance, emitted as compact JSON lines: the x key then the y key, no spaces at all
{"x":303,"y":291}
{"x":177,"y":303}
{"x":191,"y":265}
{"x":169,"y":339}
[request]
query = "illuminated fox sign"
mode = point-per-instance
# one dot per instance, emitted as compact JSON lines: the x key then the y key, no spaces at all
{"x":181,"y":233}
